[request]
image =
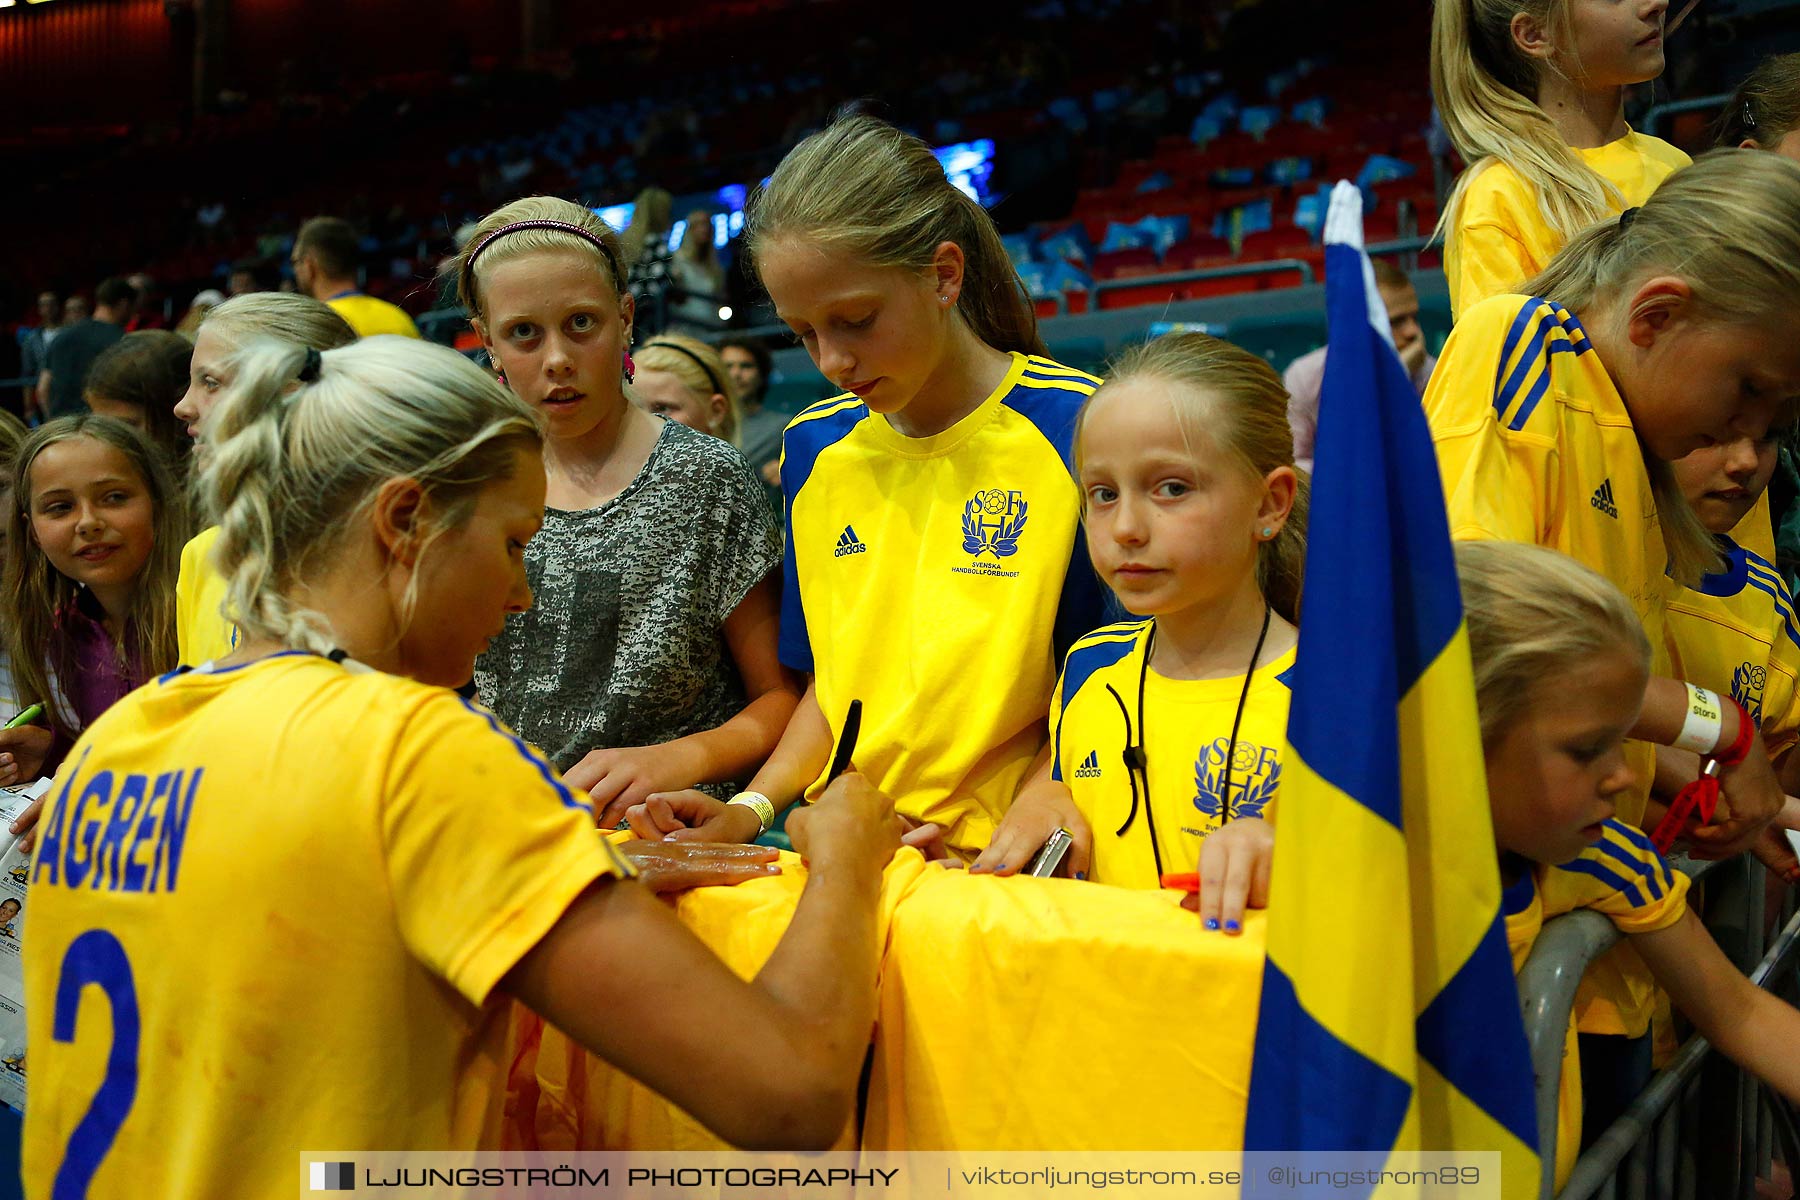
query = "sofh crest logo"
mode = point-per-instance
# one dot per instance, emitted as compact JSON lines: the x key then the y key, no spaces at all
{"x":992,"y":522}
{"x":1747,"y":683}
{"x":1255,"y":779}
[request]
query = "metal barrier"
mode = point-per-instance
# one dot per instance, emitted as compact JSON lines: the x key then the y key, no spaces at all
{"x":1270,"y":266}
{"x":1653,"y":1149}
{"x":1656,"y":113}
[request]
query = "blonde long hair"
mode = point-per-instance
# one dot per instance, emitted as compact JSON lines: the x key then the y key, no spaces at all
{"x":1534,"y":614}
{"x":1233,"y":398}
{"x":294,"y":464}
{"x":1729,"y":225}
{"x":285,"y":315}
{"x":1486,"y":93}
{"x":866,"y":188}
{"x":38,"y":595}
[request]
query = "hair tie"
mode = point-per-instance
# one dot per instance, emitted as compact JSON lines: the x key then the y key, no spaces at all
{"x":309,"y":366}
{"x":1626,"y":218}
{"x":658,"y":343}
{"x":586,"y":235}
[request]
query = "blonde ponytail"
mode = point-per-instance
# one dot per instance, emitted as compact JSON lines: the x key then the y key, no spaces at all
{"x":295,"y":462}
{"x":1486,"y":95}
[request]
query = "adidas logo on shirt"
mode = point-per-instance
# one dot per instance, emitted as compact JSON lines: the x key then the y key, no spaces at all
{"x":1090,"y":766}
{"x":1603,"y":500}
{"x":849,"y":543}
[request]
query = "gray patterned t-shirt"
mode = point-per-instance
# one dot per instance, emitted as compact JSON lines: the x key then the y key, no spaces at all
{"x":624,"y":644}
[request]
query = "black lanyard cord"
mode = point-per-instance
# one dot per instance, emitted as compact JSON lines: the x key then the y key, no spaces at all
{"x":1137,"y":761}
{"x":1236,"y":721}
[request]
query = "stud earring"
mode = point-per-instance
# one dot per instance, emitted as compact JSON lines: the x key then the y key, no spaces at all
{"x":1267,"y":533}
{"x":943,"y":299}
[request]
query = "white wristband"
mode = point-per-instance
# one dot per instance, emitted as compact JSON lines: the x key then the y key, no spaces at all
{"x":1705,"y":720}
{"x":759,"y":804}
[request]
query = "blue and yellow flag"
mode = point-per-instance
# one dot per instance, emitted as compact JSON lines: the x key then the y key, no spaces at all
{"x":1390,"y":1019}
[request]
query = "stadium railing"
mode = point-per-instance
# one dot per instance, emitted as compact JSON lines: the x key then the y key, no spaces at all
{"x":1656,"y":114}
{"x":1702,"y":1127}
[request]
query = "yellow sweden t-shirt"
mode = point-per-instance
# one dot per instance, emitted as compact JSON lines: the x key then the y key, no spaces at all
{"x":938,"y":580}
{"x":1186,"y":733}
{"x":1736,"y":633}
{"x":202,"y":633}
{"x":1501,"y":239}
{"x":270,"y":906}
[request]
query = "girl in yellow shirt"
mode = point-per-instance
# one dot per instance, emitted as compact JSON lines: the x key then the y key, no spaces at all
{"x":202,"y":631}
{"x":1195,"y":518}
{"x":1532,"y":94}
{"x":1561,"y":663}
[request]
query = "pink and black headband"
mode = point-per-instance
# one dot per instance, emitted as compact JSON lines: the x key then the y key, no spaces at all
{"x":606,"y":252}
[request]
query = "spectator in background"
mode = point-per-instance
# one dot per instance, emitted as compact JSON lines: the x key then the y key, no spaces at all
{"x":145,"y":309}
{"x":75,"y":308}
{"x":243,"y":281}
{"x":1307,"y":373}
{"x":759,"y":430}
{"x":683,"y":379}
{"x":76,"y":347}
{"x":652,"y":216}
{"x":325,"y":261}
{"x":697,"y":279}
{"x":648,"y":260}
{"x":34,"y":345}
{"x":204,"y":302}
{"x":138,"y":380}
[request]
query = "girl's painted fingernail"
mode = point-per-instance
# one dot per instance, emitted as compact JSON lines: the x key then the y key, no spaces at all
{"x":1212,"y":923}
{"x":1232,"y":927}
{"x":1081,"y":874}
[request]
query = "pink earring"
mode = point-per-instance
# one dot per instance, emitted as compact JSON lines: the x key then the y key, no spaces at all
{"x":500,"y":374}
{"x":630,"y":368}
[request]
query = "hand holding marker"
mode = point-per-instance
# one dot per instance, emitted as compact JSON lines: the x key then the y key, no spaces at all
{"x":25,"y":718}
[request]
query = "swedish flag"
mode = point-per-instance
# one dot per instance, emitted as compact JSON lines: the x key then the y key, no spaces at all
{"x":1390,"y":1019}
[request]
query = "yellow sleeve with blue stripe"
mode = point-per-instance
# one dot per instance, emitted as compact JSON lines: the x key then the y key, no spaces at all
{"x":1736,"y":633}
{"x":940,"y":575}
{"x":1622,"y":876}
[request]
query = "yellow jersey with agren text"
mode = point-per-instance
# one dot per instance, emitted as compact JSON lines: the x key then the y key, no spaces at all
{"x":270,"y":908}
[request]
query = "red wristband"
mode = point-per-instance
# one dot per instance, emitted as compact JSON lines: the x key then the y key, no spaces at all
{"x":1739,"y":749}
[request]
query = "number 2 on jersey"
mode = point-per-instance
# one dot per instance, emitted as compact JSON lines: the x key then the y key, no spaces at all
{"x":96,"y":957}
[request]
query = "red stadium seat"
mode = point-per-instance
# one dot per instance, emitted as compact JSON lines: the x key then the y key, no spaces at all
{"x":1116,"y":264}
{"x":1197,"y":253}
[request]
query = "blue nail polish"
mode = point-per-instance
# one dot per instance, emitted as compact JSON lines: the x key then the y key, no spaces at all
{"x":1001,"y":867}
{"x":1081,"y":874}
{"x":1232,"y":927}
{"x":1212,"y":923}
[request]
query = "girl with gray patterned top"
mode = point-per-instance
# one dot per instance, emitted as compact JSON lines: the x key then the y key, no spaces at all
{"x":647,"y":661}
